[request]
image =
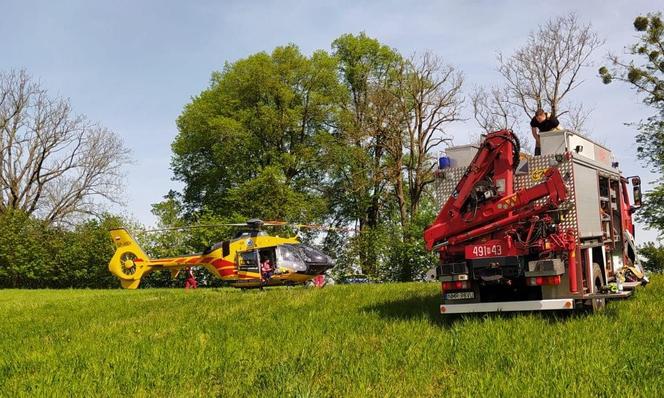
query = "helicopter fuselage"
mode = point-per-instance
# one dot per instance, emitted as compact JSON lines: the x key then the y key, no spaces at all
{"x":236,"y":261}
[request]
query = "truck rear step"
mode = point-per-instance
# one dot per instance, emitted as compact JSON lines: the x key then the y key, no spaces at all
{"x":508,"y":306}
{"x":617,"y":295}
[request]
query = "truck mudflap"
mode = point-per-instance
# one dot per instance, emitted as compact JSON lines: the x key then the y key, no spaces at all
{"x":508,"y":306}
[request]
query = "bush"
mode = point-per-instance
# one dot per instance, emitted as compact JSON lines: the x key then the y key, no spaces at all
{"x":24,"y":251}
{"x":654,"y":257}
{"x":34,"y":255}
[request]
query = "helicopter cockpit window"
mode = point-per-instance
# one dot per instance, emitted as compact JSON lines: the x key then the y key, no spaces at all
{"x":248,"y":261}
{"x":288,"y":257}
{"x":313,"y":256}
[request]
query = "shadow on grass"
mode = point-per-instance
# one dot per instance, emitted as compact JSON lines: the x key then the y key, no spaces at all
{"x":414,"y":308}
{"x":428,"y":307}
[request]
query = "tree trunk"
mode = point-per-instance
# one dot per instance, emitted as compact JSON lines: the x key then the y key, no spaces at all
{"x":401,"y":199}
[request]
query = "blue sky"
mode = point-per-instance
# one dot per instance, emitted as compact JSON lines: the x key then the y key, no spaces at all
{"x":133,"y":65}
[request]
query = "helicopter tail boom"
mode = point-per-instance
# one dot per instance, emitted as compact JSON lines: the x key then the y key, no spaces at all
{"x":129,"y":263}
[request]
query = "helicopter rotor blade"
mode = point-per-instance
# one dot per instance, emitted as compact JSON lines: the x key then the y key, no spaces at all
{"x":274,"y":223}
{"x":319,"y":227}
{"x":326,"y":228}
{"x":194,"y":226}
{"x":256,"y":224}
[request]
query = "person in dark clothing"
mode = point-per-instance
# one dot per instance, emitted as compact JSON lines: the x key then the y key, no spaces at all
{"x":542,"y":121}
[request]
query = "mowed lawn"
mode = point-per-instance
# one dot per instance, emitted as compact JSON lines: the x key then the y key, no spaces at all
{"x":353,"y":340}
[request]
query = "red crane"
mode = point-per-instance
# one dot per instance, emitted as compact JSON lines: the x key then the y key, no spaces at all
{"x":485,"y":208}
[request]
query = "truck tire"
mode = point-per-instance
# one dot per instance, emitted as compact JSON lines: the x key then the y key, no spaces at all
{"x":597,"y":304}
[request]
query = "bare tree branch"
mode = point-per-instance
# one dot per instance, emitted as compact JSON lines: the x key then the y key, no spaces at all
{"x":577,"y":116}
{"x":543,"y":72}
{"x":428,"y":99}
{"x":494,"y":110}
{"x":53,"y":163}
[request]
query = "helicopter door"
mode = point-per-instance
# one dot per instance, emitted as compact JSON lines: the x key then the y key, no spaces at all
{"x":247,"y":265}
{"x":268,"y":254}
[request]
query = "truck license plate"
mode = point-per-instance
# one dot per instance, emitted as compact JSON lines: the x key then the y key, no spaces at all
{"x":459,"y":296}
{"x":492,"y":248}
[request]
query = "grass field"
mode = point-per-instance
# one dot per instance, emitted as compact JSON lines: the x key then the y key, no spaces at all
{"x":353,"y":340}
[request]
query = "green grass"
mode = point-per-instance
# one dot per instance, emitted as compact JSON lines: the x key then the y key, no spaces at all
{"x":358,"y":340}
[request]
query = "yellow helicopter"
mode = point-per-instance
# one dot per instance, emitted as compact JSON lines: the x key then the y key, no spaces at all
{"x":240,"y":261}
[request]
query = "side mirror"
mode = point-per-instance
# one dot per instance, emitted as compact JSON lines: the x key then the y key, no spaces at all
{"x":636,"y":186}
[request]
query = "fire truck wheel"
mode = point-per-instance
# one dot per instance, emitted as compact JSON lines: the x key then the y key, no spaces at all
{"x":598,"y":304}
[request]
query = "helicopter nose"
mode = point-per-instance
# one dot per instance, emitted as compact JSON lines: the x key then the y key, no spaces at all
{"x":321,"y":258}
{"x":316,"y":261}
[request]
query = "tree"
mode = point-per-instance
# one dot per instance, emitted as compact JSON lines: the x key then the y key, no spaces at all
{"x":261,"y":116}
{"x":428,"y":95}
{"x":36,"y":255}
{"x":388,"y":126}
{"x":541,"y":74}
{"x":327,"y":137}
{"x":24,"y":250}
{"x":492,"y":109}
{"x":407,"y":258}
{"x":53,"y":163}
{"x":365,"y":65}
{"x":654,"y":257}
{"x":644,"y":72}
{"x":356,"y":148}
{"x":81,"y":255}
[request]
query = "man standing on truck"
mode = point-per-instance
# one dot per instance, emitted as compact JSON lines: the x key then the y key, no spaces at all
{"x":542,"y":121}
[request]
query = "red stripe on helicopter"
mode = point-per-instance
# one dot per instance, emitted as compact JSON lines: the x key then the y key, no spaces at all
{"x":220,"y":262}
{"x":224,"y":267}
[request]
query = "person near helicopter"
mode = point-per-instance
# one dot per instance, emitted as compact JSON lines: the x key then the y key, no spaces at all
{"x":191,"y":280}
{"x":266,"y":270}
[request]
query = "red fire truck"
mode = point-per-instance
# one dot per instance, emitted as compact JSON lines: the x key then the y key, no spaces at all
{"x":526,"y":233}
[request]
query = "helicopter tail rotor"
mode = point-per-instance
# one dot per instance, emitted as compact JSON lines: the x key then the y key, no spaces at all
{"x":129,"y":262}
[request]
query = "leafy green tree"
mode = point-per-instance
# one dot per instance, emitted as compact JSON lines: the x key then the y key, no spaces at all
{"x":654,"y":256}
{"x":359,"y":189}
{"x":351,"y":258}
{"x":81,"y":256}
{"x":407,"y":257}
{"x":24,"y":253}
{"x":359,"y":140}
{"x":343,"y":138}
{"x":36,"y":255}
{"x":260,"y":118}
{"x":644,"y":72}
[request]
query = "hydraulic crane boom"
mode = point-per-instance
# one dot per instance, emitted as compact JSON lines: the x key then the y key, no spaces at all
{"x":487,"y":187}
